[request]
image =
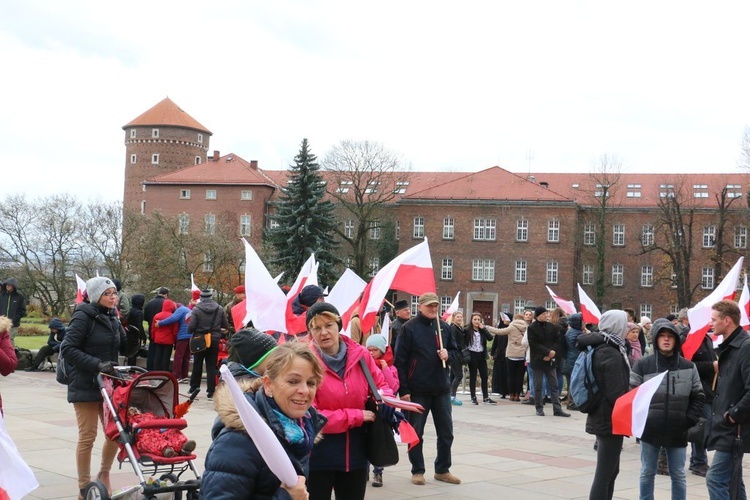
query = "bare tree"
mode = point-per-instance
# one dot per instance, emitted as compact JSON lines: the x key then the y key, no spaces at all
{"x":724,"y":213}
{"x":364,"y":177}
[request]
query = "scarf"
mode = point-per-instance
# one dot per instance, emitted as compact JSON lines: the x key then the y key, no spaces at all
{"x":337,"y":362}
{"x":618,"y":342}
{"x":635,"y":349}
{"x":299,"y":433}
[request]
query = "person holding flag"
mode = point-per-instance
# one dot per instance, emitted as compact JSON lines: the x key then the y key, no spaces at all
{"x":674,"y":408}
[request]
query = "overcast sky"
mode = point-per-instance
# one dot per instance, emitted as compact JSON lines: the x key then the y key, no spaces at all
{"x":545,"y":86}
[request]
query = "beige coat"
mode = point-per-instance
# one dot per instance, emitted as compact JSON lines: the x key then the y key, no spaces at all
{"x":515,"y":332}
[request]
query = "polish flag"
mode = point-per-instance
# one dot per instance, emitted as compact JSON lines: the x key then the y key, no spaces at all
{"x":452,"y":308}
{"x":16,"y":477}
{"x":308,"y":275}
{"x":345,"y":294}
{"x":631,"y":409}
{"x":565,"y":305}
{"x":80,"y":288}
{"x":699,"y":315}
{"x":745,"y":306}
{"x":265,"y":302}
{"x":589,"y":310}
{"x":410,"y":272}
{"x":385,"y":329}
{"x":193,"y":288}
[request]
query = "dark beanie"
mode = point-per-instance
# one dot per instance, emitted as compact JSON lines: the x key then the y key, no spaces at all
{"x":539,"y":311}
{"x":249,"y":347}
{"x":321,"y":307}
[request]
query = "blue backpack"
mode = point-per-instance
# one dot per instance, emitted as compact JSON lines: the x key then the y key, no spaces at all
{"x":583,"y":386}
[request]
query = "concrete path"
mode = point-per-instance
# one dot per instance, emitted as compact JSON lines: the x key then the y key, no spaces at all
{"x":502,"y":451}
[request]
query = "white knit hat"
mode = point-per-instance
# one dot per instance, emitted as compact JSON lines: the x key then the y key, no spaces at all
{"x":95,"y":287}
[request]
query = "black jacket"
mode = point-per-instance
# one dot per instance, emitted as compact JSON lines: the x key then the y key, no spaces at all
{"x":544,"y":337}
{"x":732,"y":393}
{"x":135,"y":315}
{"x":611,"y":372}
{"x":484,"y":337}
{"x":704,"y":359}
{"x":208,"y":314}
{"x":12,"y":304}
{"x":420,"y":370}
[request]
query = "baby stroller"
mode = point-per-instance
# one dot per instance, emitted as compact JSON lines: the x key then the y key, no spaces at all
{"x":153,"y":392}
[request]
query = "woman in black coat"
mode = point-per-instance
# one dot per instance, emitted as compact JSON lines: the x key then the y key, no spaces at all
{"x":92,"y":344}
{"x":477,"y":337}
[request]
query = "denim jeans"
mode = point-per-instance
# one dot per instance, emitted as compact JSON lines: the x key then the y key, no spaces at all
{"x":545,"y":386}
{"x":719,"y":477}
{"x":697,"y":452}
{"x":440,"y":406}
{"x":676,"y":462}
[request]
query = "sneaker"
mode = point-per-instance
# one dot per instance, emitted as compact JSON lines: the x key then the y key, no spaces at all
{"x":572,"y":407}
{"x":447,"y":477}
{"x":417,"y":479}
{"x":529,"y":401}
{"x":210,"y":397}
{"x":539,"y":412}
{"x":561,"y":413}
{"x":456,"y":402}
{"x":488,"y":401}
{"x":699,"y":470}
{"x":474,"y":401}
{"x":377,"y":480}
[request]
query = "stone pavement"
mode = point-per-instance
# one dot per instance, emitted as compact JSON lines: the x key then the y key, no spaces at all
{"x":498,"y":450}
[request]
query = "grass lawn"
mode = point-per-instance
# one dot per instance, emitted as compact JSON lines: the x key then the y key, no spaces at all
{"x":31,"y":341}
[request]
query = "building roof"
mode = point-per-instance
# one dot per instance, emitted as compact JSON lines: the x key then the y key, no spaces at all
{"x":166,"y":112}
{"x":229,"y":169}
{"x":494,"y":183}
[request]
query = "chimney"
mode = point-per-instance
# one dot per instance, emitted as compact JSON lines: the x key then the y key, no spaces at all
{"x":254,"y":164}
{"x":216,"y":155}
{"x":544,"y":184}
{"x":532,"y":178}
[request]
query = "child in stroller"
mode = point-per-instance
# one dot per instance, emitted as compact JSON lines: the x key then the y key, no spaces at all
{"x":165,"y":442}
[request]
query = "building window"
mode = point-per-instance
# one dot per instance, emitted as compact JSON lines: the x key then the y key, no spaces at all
{"x":154,"y":133}
{"x":589,"y":234}
{"x":588,"y":274}
{"x":132,"y":133}
{"x":449,"y":230}
{"x":200,"y":138}
{"x":518,"y":306}
{"x":198,"y":160}
{"x":709,"y":236}
{"x":210,"y":223}
{"x":700,"y":190}
{"x":618,"y":235}
{"x":374,"y":266}
{"x":372,"y":187}
{"x":522,"y":230}
{"x":520,"y":274}
{"x":445,"y":303}
{"x":375,"y":230}
{"x":483,"y":270}
{"x":634,"y":191}
{"x":707,"y":278}
{"x":349,"y":228}
{"x":184,"y":194}
{"x":155,"y":159}
{"x":552,"y":272}
{"x":418,"y":227}
{"x":210,"y":194}
{"x":208,"y":265}
{"x":446,"y":270}
{"x":484,"y":229}
{"x":414,"y":305}
{"x":618,"y":277}
{"x":184,"y":223}
{"x":133,"y":159}
{"x":646,"y":310}
{"x":740,"y":237}
{"x":673,"y":309}
{"x":245,"y":225}
{"x":246,"y":195}
{"x":647,"y":235}
{"x":550,"y":304}
{"x":553,"y":231}
{"x":673,"y":280}
{"x":647,"y":276}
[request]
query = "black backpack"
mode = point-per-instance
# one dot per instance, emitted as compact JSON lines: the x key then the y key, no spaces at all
{"x":25,"y":358}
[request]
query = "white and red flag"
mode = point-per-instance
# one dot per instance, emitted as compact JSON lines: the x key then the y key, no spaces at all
{"x":566,"y":305}
{"x":699,"y":315}
{"x":745,"y":306}
{"x":345,"y":294}
{"x":80,"y":288}
{"x":265,"y":302}
{"x":410,"y":272}
{"x":452,"y":308}
{"x":16,"y":477}
{"x":589,"y":310}
{"x":193,"y":288}
{"x":308,"y":275}
{"x":631,"y":409}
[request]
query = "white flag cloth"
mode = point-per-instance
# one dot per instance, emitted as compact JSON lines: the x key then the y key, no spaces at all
{"x":385,"y":329}
{"x":631,"y":409}
{"x":745,"y":305}
{"x":566,"y":305}
{"x":193,"y":288}
{"x":81,"y":287}
{"x":265,"y":302}
{"x":452,"y":308}
{"x":308,"y":275}
{"x":16,"y":478}
{"x":589,"y":310}
{"x":262,"y":435}
{"x":346,"y":291}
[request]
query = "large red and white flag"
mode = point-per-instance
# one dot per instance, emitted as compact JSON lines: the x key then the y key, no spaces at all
{"x":631,"y":409}
{"x":345,"y":294}
{"x":745,"y":306}
{"x":16,"y":477}
{"x":589,"y":310}
{"x":452,"y":308}
{"x":193,"y":288}
{"x":410,"y":272}
{"x":699,"y":315}
{"x":308,"y":275}
{"x":80,"y":288}
{"x":265,"y":302}
{"x":566,"y":305}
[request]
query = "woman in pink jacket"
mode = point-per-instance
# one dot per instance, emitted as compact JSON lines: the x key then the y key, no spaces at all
{"x":8,"y":359}
{"x":338,"y":462}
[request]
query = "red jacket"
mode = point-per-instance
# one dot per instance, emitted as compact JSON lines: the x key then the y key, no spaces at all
{"x":165,"y":335}
{"x":8,"y":360}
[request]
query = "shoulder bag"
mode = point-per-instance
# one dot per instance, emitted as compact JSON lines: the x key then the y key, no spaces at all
{"x":201,"y":339}
{"x":382,"y":450}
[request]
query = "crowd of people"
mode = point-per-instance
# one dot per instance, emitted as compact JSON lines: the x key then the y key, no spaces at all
{"x":313,"y":384}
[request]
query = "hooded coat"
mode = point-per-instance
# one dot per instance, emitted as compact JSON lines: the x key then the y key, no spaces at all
{"x":165,"y":334}
{"x":209,"y":315}
{"x":8,"y":359}
{"x":678,"y":400}
{"x":12,"y":304}
{"x":234,"y":467}
{"x":575,"y":324}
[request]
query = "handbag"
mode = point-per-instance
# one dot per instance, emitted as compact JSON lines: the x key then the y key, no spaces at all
{"x":201,"y":339}
{"x":465,"y":356}
{"x":381,"y":448}
{"x":697,"y":433}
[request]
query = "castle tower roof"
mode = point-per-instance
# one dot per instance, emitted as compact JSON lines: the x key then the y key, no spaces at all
{"x":166,"y":112}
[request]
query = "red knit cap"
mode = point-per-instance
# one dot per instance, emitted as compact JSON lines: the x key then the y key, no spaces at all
{"x":239,"y":289}
{"x":196,"y":294}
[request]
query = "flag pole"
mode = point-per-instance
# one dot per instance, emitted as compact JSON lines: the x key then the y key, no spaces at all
{"x":440,"y":337}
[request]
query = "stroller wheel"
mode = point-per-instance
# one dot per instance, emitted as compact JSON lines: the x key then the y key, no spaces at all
{"x":95,"y":491}
{"x":169,"y":477}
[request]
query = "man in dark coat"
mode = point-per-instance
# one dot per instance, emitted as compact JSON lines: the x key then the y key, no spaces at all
{"x":402,"y":313}
{"x":544,"y":339}
{"x":207,"y":316}
{"x":152,"y":308}
{"x":12,"y":305}
{"x":731,"y":405}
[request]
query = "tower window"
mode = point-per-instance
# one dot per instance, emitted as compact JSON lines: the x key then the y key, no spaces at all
{"x":154,"y":133}
{"x":155,"y":159}
{"x":132,"y":159}
{"x":198,"y":160}
{"x":200,"y":138}
{"x":132,"y":133}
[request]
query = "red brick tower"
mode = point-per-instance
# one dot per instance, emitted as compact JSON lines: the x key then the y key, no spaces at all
{"x":161,"y":140}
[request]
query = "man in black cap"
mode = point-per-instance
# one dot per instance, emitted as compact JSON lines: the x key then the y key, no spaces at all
{"x":402,"y":312}
{"x":308,"y":296}
{"x":207,"y":316}
{"x":152,"y":308}
{"x":544,"y":341}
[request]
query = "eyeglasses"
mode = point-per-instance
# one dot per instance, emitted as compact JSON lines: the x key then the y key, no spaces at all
{"x":109,"y":294}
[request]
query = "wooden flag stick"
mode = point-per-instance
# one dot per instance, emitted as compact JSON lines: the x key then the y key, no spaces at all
{"x":440,"y":337}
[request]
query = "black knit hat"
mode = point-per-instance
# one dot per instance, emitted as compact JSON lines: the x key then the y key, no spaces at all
{"x":321,"y":307}
{"x":539,"y":311}
{"x":310,"y":295}
{"x":249,"y":347}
